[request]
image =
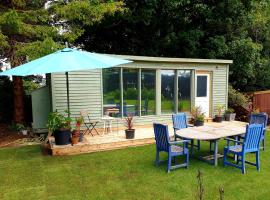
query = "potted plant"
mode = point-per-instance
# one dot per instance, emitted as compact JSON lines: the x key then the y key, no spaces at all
{"x":197,"y":116}
{"x":75,"y":136}
{"x":130,"y":132}
{"x":59,"y":125}
{"x":219,"y":117}
{"x":229,"y":114}
{"x":79,"y":122}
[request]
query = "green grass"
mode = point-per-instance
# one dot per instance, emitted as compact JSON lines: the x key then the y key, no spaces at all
{"x":122,"y":174}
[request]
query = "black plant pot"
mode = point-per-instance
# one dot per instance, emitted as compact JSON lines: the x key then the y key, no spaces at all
{"x":198,"y":123}
{"x":130,"y":133}
{"x":62,"y":137}
{"x":218,"y":119}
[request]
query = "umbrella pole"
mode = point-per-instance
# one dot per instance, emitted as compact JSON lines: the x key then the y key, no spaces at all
{"x":67,"y":85}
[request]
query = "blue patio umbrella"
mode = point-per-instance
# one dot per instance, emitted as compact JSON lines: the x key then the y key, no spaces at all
{"x":65,"y":60}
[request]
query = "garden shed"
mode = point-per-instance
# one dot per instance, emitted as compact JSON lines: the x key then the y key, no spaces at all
{"x":150,"y":88}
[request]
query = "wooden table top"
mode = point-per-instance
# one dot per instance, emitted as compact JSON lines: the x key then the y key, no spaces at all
{"x":213,"y":131}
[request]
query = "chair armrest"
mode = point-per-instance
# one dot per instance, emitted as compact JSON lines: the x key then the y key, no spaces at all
{"x":232,"y":140}
{"x":179,"y":142}
{"x":175,"y":128}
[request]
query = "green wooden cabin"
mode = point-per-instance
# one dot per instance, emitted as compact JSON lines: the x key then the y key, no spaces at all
{"x":150,"y":88}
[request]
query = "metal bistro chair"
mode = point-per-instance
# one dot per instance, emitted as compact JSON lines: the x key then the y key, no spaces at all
{"x":260,"y":118}
{"x":89,"y":124}
{"x":180,"y":122}
{"x":251,"y":144}
{"x":163,"y":144}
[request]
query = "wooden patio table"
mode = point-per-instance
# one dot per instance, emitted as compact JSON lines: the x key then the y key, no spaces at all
{"x":213,"y":132}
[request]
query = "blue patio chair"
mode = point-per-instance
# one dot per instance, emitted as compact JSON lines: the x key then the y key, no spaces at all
{"x":180,"y":122}
{"x":163,"y":144}
{"x":251,"y":144}
{"x":260,"y":118}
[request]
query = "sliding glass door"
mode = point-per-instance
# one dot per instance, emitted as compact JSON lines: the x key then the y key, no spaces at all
{"x":130,"y":92}
{"x":184,"y":90}
{"x":167,"y":91}
{"x":148,"y":92}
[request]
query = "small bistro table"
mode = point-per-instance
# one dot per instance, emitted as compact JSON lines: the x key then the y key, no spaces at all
{"x":107,"y":124}
{"x":213,"y":132}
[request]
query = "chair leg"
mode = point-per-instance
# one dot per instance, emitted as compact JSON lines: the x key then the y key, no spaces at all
{"x":187,"y":160}
{"x":210,"y":146}
{"x":243,"y":164}
{"x":199,"y":145}
{"x":258,"y":160}
{"x":169,"y":163}
{"x":224,"y":157}
{"x":192,"y":147}
{"x":237,"y":159}
{"x":263,"y":144}
{"x":157,"y":158}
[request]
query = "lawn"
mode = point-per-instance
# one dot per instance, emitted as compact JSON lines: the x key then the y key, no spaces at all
{"x":122,"y":174}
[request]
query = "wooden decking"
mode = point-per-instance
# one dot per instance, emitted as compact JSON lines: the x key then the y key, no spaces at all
{"x":111,"y":141}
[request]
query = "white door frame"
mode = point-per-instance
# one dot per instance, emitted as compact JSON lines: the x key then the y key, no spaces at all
{"x":200,"y":101}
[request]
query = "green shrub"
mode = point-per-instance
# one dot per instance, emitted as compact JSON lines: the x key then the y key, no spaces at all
{"x":236,"y":98}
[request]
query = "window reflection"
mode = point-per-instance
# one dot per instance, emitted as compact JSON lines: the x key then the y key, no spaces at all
{"x":167,"y":91}
{"x":184,"y":90}
{"x":111,"y":91}
{"x":130,"y":92}
{"x":148,"y":85}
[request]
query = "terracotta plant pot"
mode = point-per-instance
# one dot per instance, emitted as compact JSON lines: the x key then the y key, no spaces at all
{"x":198,"y":123}
{"x":218,"y":119}
{"x":230,"y":117}
{"x":130,"y":133}
{"x":75,"y":140}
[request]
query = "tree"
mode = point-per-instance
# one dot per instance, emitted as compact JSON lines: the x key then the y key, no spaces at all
{"x":225,"y":29}
{"x":29,"y":31}
{"x":21,"y":23}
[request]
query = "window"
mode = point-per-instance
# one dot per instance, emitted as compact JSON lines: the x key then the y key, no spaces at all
{"x":111,"y":91}
{"x":201,"y":86}
{"x":184,"y":90}
{"x":167,"y":91}
{"x":148,"y":92}
{"x":130,"y":92}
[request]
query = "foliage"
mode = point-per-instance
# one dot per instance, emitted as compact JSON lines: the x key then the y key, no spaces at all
{"x":237,"y":29}
{"x":129,"y":122}
{"x":28,"y":30}
{"x":130,"y":93}
{"x":29,"y":86}
{"x":58,"y":121}
{"x":78,"y":15}
{"x":16,"y":127}
{"x":220,"y":109}
{"x":236,"y":98}
{"x":197,"y":113}
{"x":229,"y":111}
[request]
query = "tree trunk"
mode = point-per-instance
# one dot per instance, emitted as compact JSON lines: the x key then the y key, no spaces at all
{"x":18,"y":92}
{"x":18,"y":115}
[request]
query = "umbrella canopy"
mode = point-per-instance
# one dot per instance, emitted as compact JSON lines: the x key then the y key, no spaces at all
{"x":65,"y":60}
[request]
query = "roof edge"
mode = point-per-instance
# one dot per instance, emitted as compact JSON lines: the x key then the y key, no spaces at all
{"x":168,"y":59}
